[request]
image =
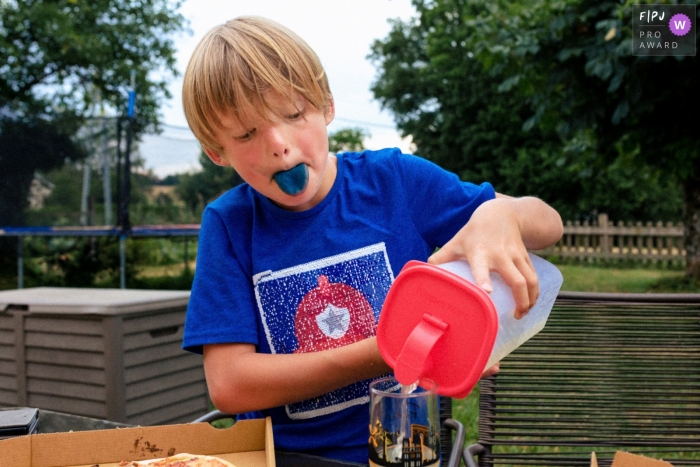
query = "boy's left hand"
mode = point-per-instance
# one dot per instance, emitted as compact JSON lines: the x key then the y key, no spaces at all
{"x":493,"y":370}
{"x":496,"y":239}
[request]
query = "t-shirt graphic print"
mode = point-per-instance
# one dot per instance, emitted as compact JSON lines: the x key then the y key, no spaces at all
{"x":322,"y":305}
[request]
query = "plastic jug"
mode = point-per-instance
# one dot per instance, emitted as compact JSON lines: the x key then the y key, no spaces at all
{"x":512,"y":333}
{"x":437,"y":324}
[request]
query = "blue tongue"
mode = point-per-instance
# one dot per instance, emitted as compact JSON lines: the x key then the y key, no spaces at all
{"x":293,"y":181}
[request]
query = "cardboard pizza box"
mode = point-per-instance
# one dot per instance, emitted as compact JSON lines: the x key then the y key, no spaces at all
{"x":626,"y":459}
{"x":248,"y":443}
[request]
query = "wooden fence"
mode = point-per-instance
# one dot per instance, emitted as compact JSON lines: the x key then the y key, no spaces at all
{"x":606,"y":240}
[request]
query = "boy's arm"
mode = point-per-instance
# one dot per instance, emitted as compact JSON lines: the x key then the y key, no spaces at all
{"x":241,"y":380}
{"x":497,"y":237}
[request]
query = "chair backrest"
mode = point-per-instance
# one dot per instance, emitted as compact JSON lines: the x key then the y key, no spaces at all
{"x":446,"y":432}
{"x":608,"y":372}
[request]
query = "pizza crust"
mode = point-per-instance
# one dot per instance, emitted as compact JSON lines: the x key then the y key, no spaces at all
{"x":181,"y":460}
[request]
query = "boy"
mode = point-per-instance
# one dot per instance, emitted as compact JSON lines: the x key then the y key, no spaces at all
{"x":294,"y":265}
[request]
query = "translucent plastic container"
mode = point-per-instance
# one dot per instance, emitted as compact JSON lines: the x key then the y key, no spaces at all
{"x":512,"y":333}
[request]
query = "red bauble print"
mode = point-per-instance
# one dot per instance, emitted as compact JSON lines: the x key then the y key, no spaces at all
{"x":332,"y":315}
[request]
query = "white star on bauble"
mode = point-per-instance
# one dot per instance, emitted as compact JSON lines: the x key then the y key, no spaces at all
{"x":333,"y":321}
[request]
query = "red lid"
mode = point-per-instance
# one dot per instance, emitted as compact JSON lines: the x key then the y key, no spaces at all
{"x":435,"y":324}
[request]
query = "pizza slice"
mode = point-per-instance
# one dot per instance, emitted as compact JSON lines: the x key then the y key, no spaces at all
{"x":181,"y":460}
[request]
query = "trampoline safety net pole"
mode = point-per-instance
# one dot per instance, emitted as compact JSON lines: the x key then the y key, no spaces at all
{"x":122,"y":261}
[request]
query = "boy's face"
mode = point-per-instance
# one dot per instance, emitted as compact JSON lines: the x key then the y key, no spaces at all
{"x":263,"y":149}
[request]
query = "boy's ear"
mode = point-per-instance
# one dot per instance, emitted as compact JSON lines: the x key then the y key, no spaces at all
{"x":330,"y":111}
{"x":215,"y":157}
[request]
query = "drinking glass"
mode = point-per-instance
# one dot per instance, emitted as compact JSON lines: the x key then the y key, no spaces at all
{"x":404,"y":425}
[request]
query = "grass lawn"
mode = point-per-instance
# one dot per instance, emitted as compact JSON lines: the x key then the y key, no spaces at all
{"x":630,"y":280}
{"x":171,"y":270}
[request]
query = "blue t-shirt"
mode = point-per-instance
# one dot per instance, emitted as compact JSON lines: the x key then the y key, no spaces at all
{"x":314,"y":280}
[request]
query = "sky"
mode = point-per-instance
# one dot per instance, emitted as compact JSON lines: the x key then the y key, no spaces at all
{"x":340,"y":32}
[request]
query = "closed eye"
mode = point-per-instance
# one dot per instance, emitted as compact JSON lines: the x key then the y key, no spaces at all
{"x":245,"y":137}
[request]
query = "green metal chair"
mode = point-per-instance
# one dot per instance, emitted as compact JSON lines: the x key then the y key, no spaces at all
{"x":608,"y":372}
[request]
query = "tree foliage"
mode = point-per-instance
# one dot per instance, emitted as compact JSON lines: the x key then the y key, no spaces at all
{"x":63,"y":61}
{"x":347,"y":139}
{"x":544,"y":98}
{"x":197,"y":189}
{"x":461,"y":117}
{"x":441,"y":96}
{"x":572,"y":61}
{"x":65,"y":55}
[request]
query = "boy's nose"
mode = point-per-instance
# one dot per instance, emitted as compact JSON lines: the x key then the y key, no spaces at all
{"x":278,"y":142}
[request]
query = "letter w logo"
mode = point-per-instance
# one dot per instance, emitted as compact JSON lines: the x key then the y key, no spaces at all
{"x":680,"y":25}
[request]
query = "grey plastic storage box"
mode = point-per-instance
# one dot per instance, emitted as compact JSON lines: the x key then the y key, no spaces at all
{"x":111,"y":354}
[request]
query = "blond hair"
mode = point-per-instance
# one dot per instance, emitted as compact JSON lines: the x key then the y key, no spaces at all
{"x":235,"y":63}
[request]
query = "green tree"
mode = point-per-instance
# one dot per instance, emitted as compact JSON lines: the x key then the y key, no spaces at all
{"x":464,"y":114}
{"x":444,"y":98}
{"x":62,"y":60}
{"x":347,"y":139}
{"x":459,"y":118}
{"x":572,"y":62}
{"x":62,"y":55}
{"x":199,"y":188}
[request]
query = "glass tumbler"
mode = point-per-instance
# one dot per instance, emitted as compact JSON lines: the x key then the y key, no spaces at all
{"x":404,"y":425}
